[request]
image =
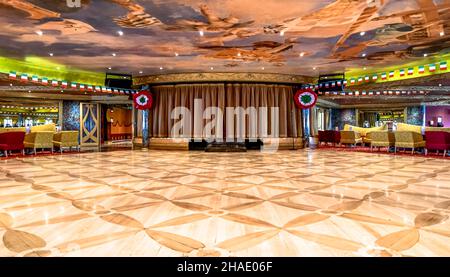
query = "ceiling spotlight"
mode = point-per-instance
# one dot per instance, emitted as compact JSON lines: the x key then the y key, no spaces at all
{"x":201,"y":33}
{"x":114,"y":54}
{"x":161,"y":68}
{"x":425,"y":55}
{"x":109,"y":68}
{"x":140,"y":72}
{"x":362,"y":33}
{"x":364,"y":54}
{"x":51,"y":54}
{"x":176,"y":54}
{"x":442,"y":33}
{"x":120,"y":33}
{"x":39,"y":32}
{"x":302,"y":54}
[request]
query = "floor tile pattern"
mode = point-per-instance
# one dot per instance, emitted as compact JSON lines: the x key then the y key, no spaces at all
{"x":289,"y":203}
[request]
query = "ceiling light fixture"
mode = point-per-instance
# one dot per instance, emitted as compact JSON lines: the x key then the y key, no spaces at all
{"x":364,"y":54}
{"x":302,"y":54}
{"x":442,"y":33}
{"x":212,"y":68}
{"x":114,"y":54}
{"x":120,"y":33}
{"x":201,"y":33}
{"x":140,"y":72}
{"x":362,"y":33}
{"x":176,"y":54}
{"x":161,"y":68}
{"x":314,"y":68}
{"x":109,"y":68}
{"x":39,"y":32}
{"x":262,"y":68}
{"x":239,"y":54}
{"x":51,"y":54}
{"x":10,"y":85}
{"x":425,"y":55}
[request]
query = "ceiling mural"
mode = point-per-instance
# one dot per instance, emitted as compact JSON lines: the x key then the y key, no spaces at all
{"x":290,"y":36}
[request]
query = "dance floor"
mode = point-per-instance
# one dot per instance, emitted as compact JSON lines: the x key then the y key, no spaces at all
{"x":289,"y":203}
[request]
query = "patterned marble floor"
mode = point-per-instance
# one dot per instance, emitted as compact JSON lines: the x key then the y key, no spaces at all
{"x":290,"y":203}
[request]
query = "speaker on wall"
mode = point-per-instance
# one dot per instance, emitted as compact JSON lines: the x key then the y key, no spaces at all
{"x":119,"y":80}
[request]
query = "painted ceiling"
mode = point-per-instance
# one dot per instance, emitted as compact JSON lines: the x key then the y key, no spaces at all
{"x":290,"y":36}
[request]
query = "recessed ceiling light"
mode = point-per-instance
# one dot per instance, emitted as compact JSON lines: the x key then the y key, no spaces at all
{"x":109,"y":68}
{"x":120,"y":33}
{"x":425,"y":55}
{"x":364,"y":54}
{"x":302,"y":54}
{"x":39,"y":32}
{"x":176,"y":54}
{"x":362,"y":33}
{"x":201,"y":33}
{"x":140,"y":72}
{"x":114,"y":54}
{"x":442,"y":33}
{"x":161,"y":68}
{"x":51,"y":54}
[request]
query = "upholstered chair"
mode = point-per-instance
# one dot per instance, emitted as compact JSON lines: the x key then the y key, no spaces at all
{"x":408,"y":139}
{"x":350,"y":137}
{"x":382,"y":139}
{"x":437,"y":141}
{"x":11,"y":141}
{"x":36,"y":140}
{"x":66,"y":139}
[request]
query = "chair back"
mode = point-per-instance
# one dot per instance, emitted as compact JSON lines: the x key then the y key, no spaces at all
{"x":69,"y":136}
{"x":407,"y":136}
{"x":383,"y":136}
{"x":12,"y":139}
{"x":439,"y":139}
{"x":348,"y":135}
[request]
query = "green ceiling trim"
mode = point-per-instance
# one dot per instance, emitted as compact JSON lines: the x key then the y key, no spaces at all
{"x":44,"y":68}
{"x":358,"y":73}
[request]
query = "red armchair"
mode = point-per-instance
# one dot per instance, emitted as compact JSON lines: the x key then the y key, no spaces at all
{"x":11,"y":141}
{"x":329,"y":136}
{"x":437,"y":140}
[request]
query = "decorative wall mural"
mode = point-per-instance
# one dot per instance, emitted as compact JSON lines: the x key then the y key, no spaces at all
{"x":291,"y":36}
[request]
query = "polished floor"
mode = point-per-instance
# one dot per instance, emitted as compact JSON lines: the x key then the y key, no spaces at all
{"x":289,"y":203}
